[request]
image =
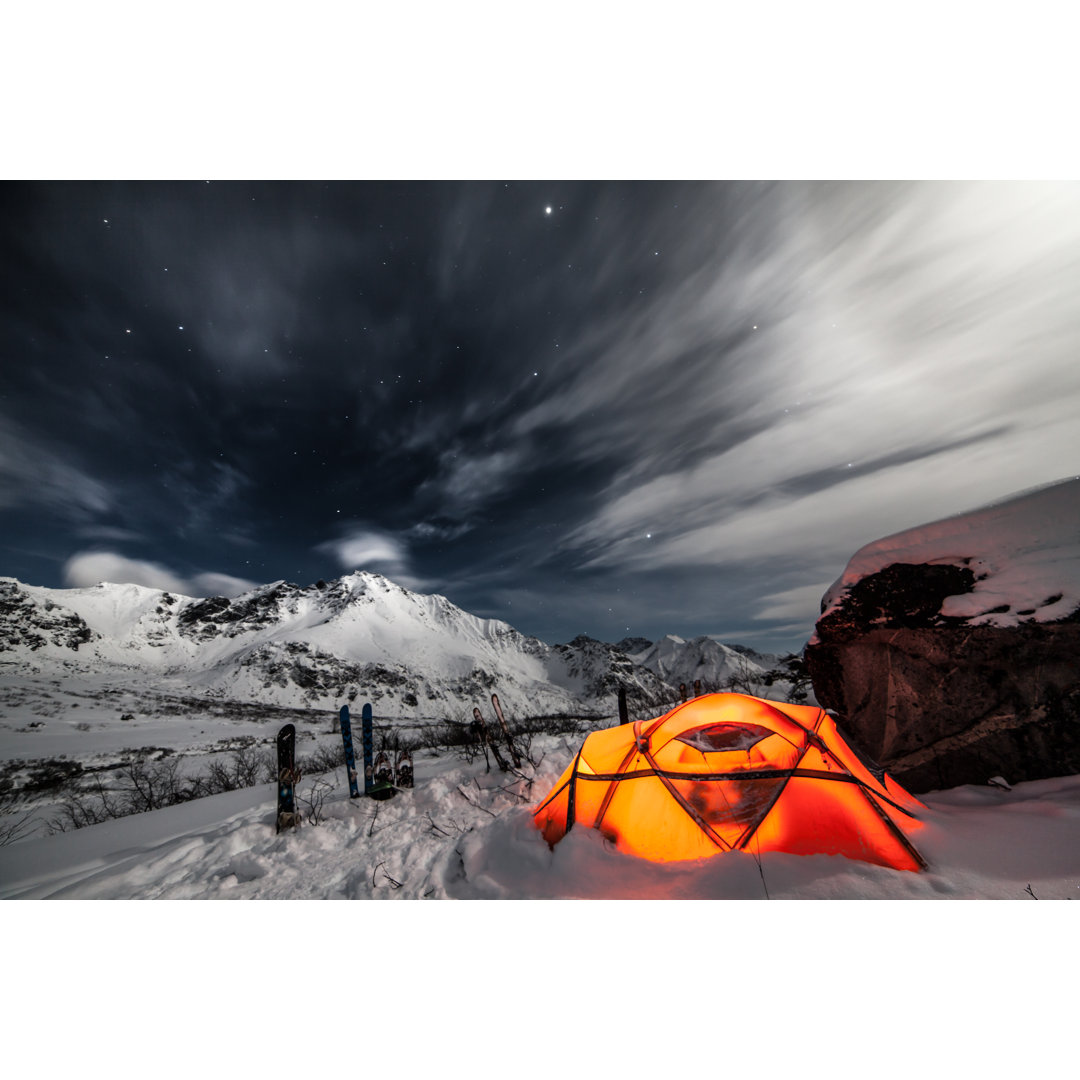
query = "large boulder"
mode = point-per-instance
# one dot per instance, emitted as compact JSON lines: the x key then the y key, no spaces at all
{"x":952,"y":651}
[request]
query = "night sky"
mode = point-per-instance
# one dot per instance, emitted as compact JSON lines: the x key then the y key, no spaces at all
{"x":624,"y":408}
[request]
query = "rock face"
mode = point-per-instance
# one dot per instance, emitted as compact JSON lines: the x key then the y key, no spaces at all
{"x":966,"y":665}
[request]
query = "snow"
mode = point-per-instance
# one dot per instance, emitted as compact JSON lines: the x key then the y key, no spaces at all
{"x":1024,"y":553}
{"x":465,"y":833}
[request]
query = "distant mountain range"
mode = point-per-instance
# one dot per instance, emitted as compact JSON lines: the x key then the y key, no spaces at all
{"x":703,"y":659}
{"x":360,"y":637}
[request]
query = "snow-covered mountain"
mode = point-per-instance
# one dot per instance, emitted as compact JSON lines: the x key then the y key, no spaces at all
{"x":360,"y":637}
{"x":677,"y":660}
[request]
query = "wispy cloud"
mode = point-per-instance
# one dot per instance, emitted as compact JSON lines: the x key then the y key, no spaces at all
{"x":436,"y":531}
{"x":891,"y":353}
{"x":468,"y":480}
{"x":33,"y":473}
{"x":798,"y":607}
{"x":107,"y":532}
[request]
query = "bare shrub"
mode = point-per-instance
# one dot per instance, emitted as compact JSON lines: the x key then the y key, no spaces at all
{"x":14,"y":825}
{"x":244,"y":767}
{"x":313,"y":798}
{"x":323,"y":759}
{"x":90,"y":807}
{"x":153,"y":785}
{"x":139,"y":786}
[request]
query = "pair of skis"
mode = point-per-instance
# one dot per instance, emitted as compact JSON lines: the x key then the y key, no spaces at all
{"x":499,"y":759}
{"x":379,"y":775}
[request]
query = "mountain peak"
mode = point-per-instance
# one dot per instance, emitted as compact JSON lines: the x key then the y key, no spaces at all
{"x":361,"y":636}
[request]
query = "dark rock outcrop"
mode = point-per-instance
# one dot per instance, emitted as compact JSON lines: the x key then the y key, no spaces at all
{"x":940,"y":702}
{"x":26,"y":623}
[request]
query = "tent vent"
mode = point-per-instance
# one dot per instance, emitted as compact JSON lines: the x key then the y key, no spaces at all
{"x":714,"y":738}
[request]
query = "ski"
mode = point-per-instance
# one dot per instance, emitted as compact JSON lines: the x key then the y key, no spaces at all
{"x":378,"y":776}
{"x":365,"y":729}
{"x":506,"y":731}
{"x":479,"y":728}
{"x":479,"y":719}
{"x":287,"y":817}
{"x":624,"y":716}
{"x":350,"y":754}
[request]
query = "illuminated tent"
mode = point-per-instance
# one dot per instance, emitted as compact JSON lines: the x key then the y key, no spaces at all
{"x":727,"y":772}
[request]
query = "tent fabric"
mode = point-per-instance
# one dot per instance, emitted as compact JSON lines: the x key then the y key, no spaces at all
{"x":729,"y":772}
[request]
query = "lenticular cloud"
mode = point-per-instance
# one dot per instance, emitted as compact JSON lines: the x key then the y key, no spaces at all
{"x":92,"y":567}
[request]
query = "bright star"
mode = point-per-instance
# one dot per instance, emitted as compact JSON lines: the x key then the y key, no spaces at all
{"x":547,"y":209}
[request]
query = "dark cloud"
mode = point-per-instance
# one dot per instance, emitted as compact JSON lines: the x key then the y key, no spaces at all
{"x":661,"y":407}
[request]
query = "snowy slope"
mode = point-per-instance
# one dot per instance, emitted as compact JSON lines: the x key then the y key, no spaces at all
{"x":1024,"y":553}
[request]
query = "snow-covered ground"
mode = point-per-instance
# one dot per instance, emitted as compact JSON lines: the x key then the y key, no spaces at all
{"x":464,"y":833}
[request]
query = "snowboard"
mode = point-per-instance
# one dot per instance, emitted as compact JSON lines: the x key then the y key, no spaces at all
{"x":377,"y":784}
{"x":287,"y":817}
{"x":350,"y":755}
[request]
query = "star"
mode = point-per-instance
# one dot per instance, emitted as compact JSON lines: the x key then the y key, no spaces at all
{"x":547,"y":209}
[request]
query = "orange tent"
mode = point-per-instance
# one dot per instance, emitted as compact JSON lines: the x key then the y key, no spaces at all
{"x":728,"y":772}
